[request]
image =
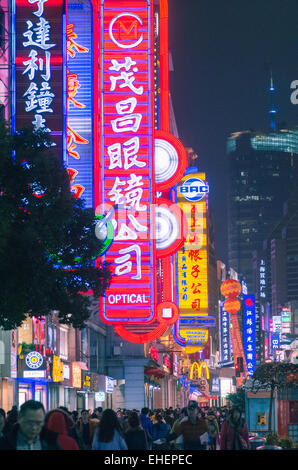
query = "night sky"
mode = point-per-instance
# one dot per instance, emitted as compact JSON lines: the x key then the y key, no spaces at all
{"x":220,"y":49}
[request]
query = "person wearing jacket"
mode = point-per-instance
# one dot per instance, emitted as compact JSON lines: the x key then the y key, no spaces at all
{"x":160,"y":431}
{"x":29,"y":433}
{"x":213,"y":431}
{"x":73,"y":430}
{"x":135,"y":436}
{"x":58,"y":421}
{"x":146,"y":423}
{"x":193,"y":429}
{"x":234,"y":432}
{"x":87,"y":427}
{"x":108,"y":434}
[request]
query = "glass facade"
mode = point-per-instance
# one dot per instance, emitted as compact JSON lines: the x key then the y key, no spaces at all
{"x":262,"y":170}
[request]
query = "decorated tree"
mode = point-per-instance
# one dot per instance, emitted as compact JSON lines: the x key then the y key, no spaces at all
{"x":48,"y":245}
{"x":274,"y":376}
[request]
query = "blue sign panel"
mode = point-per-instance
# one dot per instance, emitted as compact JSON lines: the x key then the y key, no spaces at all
{"x":249,"y":332}
{"x":224,"y":332}
{"x":80,"y":99}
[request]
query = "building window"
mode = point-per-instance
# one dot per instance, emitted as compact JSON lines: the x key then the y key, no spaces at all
{"x":64,"y":343}
{"x":84,"y":345}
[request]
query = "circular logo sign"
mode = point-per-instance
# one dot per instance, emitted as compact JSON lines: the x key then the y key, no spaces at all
{"x":124,"y":30}
{"x":194,"y":189}
{"x":34,"y":360}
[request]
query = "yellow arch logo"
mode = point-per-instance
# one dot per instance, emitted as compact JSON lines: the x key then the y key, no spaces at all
{"x":199,"y":367}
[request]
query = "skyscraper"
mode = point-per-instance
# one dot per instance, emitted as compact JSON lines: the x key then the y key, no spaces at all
{"x":262,"y":169}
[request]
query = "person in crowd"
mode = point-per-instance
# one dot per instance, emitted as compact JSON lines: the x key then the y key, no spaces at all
{"x":160,"y":431}
{"x":2,"y":421}
{"x":60,"y":422}
{"x":213,"y":431}
{"x":108,"y":434}
{"x":11,"y":419}
{"x":97,"y":413}
{"x":234,"y":432}
{"x":73,"y":430}
{"x":178,"y":443}
{"x":194,"y":429}
{"x":87,"y":426}
{"x":29,"y":433}
{"x":135,"y":436}
{"x":146,"y":423}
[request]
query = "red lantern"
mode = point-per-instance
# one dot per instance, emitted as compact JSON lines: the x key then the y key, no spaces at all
{"x":232,"y":306}
{"x":230,"y":288}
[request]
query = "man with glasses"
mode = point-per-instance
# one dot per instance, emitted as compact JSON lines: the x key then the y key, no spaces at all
{"x":29,"y":433}
{"x":193,"y":429}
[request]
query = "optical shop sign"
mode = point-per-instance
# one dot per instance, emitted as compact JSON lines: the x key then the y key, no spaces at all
{"x":39,"y":66}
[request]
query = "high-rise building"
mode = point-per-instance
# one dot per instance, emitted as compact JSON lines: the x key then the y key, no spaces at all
{"x":262,"y":169}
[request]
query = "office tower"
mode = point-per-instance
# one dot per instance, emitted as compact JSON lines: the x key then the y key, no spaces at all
{"x":262,"y":169}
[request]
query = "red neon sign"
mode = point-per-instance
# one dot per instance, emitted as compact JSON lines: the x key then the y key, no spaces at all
{"x":39,"y":67}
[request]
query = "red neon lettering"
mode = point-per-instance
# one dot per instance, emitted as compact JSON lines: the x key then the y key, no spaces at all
{"x":71,"y":44}
{"x":126,"y":31}
{"x":73,"y":85}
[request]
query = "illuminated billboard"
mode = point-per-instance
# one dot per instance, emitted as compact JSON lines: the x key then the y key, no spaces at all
{"x":80,"y":98}
{"x":38,"y":54}
{"x":249,"y":332}
{"x":191,"y":329}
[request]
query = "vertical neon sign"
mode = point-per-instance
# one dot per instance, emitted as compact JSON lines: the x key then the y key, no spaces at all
{"x":127,"y":157}
{"x":249,"y":327}
{"x":80,"y":114}
{"x":39,"y":67}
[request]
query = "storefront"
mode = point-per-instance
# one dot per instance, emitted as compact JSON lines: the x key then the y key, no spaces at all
{"x":8,"y":369}
{"x":34,"y":375}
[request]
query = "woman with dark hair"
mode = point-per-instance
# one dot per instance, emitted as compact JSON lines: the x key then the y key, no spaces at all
{"x":135,"y":437}
{"x":108,"y":435}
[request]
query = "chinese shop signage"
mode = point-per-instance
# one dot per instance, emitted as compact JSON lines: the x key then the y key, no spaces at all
{"x":249,"y":332}
{"x":80,"y":100}
{"x":224,"y":334}
{"x":192,"y":326}
{"x":127,"y":158}
{"x":38,"y":79}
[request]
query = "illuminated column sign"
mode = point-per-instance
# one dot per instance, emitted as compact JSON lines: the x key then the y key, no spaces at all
{"x":224,"y":330}
{"x":80,"y":100}
{"x":249,"y":327}
{"x":127,"y":157}
{"x":193,"y":323}
{"x":39,"y":67}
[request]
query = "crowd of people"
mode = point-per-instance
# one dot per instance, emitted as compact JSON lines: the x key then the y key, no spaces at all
{"x":189,"y":428}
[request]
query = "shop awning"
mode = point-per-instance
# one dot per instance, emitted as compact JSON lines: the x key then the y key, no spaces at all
{"x":155,"y":371}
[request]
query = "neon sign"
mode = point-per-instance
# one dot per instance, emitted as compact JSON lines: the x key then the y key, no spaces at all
{"x":199,"y":369}
{"x":39,"y":67}
{"x":80,"y":119}
{"x":191,"y":329}
{"x":249,"y":326}
{"x":126,"y":155}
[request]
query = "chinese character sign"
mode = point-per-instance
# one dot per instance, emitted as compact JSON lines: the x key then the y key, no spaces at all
{"x":249,"y":332}
{"x":224,"y":331}
{"x":80,"y":93}
{"x":127,"y":157}
{"x":39,"y":67}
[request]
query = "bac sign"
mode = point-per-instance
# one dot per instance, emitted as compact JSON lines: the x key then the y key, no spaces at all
{"x":194,"y":189}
